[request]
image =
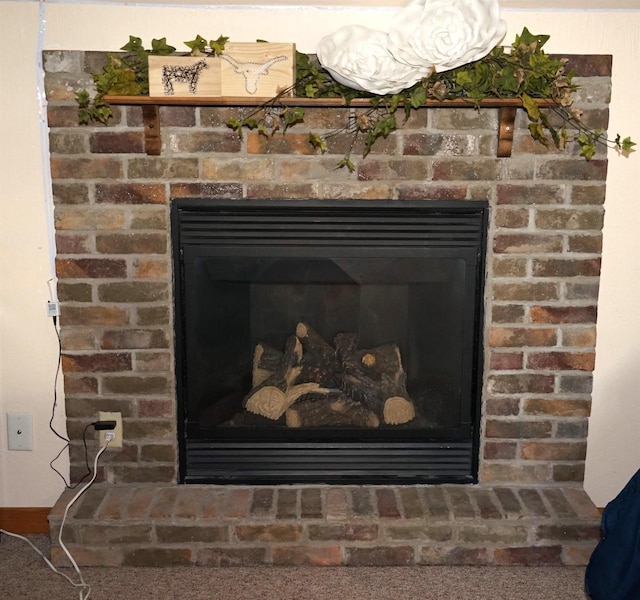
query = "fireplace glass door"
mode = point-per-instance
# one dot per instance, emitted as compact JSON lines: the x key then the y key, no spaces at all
{"x":328,"y":341}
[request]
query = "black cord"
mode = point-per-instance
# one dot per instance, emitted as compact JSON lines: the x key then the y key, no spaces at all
{"x":86,"y":460}
{"x":59,"y":435}
{"x":55,"y":384}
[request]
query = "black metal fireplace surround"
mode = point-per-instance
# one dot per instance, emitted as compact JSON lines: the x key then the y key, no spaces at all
{"x":388,"y":274}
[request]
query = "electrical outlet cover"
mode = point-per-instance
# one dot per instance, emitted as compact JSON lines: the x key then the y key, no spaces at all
{"x":111,"y":416}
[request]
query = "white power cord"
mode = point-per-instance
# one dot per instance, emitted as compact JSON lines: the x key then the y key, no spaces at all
{"x":84,"y":588}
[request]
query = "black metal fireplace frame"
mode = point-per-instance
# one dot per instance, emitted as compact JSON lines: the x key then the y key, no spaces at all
{"x":348,"y":456}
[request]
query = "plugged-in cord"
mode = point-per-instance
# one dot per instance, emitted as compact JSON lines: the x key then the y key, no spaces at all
{"x":43,"y":557}
{"x":82,"y":583}
{"x":64,"y":438}
{"x":83,"y":587}
{"x":53,"y":410}
{"x":86,"y":460}
{"x":57,"y":433}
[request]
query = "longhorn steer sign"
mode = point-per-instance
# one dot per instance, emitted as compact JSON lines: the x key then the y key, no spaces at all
{"x":260,"y":69}
{"x":252,"y":71}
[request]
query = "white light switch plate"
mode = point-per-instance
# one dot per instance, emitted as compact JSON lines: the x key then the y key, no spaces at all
{"x":19,"y":431}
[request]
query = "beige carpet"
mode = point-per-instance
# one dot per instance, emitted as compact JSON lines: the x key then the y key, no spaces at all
{"x":24,"y":576}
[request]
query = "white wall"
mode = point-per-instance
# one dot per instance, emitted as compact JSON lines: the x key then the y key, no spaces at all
{"x":28,"y":350}
{"x":28,"y":345}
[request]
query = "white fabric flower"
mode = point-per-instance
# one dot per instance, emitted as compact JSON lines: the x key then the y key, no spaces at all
{"x":358,"y":57}
{"x":445,"y":33}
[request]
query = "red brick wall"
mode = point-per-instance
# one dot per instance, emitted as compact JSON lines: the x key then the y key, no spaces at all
{"x":111,"y":216}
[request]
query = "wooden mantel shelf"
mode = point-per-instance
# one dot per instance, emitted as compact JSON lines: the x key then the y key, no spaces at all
{"x":151,"y":111}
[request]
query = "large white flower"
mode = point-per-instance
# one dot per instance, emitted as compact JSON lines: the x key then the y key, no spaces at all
{"x":358,"y":57}
{"x":445,"y":33}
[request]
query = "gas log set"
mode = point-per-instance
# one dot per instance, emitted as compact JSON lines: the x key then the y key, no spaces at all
{"x":312,"y":383}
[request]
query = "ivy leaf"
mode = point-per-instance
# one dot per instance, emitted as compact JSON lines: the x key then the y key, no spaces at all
{"x":103,"y":114}
{"x":132,"y":88}
{"x":381,"y":128}
{"x":482,"y":77}
{"x":555,"y":136}
{"x":311,"y":90}
{"x":292,"y":116}
{"x":83,"y":98}
{"x":564,"y":138}
{"x":236,"y":125}
{"x":346,"y":162}
{"x":198,"y":45}
{"x":526,"y":38}
{"x":395,"y":102}
{"x":385,"y":126}
{"x":463,"y":79}
{"x":302,"y":60}
{"x":84,"y":117}
{"x":349,"y":94}
{"x":250,"y":123}
{"x":217,"y":46}
{"x":587,"y":150}
{"x":537,"y":133}
{"x":126,"y":84}
{"x":509,"y":79}
{"x":418,"y":96}
{"x":531,"y":106}
{"x":161,"y":48}
{"x":587,"y":145}
{"x":97,"y":111}
{"x":627,"y":145}
{"x":133,"y":45}
{"x":317,"y":142}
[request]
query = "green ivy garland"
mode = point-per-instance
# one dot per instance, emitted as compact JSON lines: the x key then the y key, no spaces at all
{"x":525,"y":72}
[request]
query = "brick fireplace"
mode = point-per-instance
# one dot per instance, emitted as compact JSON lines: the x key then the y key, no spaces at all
{"x":112,"y":206}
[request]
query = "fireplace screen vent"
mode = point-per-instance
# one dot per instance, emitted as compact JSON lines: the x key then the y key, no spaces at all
{"x":321,"y":341}
{"x":305,"y":226}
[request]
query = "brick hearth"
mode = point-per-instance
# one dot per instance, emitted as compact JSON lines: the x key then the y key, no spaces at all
{"x":331,"y":525}
{"x":113,"y":263}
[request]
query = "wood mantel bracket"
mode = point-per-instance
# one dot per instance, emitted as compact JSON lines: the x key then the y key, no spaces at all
{"x":506,"y":125}
{"x":152,"y":139}
{"x":507,"y":109}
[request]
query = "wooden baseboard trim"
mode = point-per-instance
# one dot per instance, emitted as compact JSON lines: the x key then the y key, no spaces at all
{"x":25,"y":520}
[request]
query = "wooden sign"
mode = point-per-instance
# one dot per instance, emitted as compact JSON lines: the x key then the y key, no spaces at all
{"x":260,"y":70}
{"x":184,"y":76}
